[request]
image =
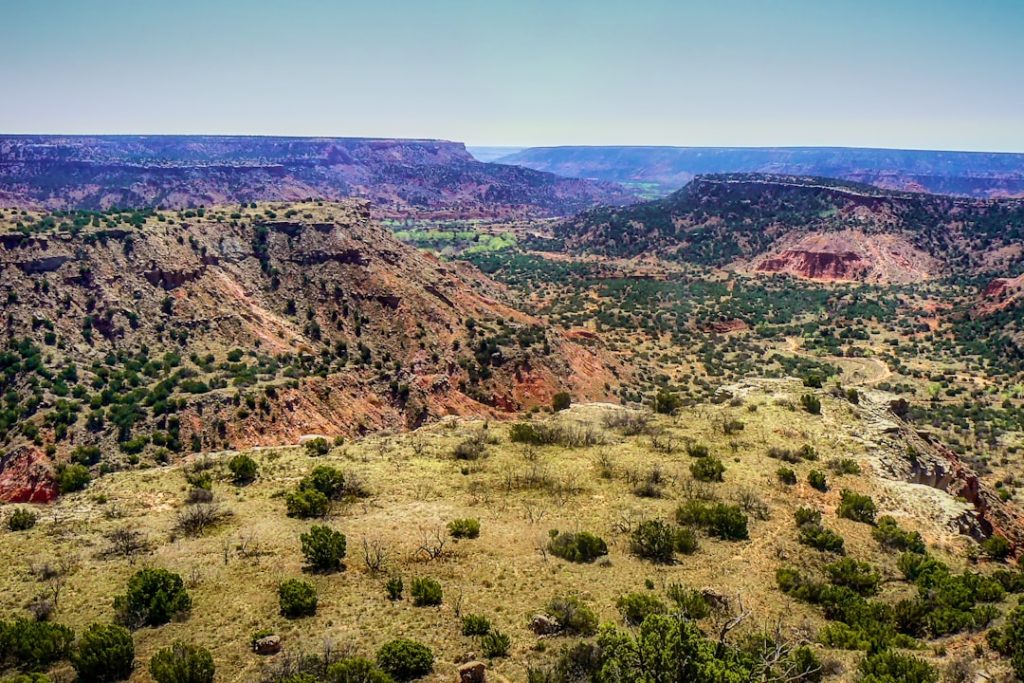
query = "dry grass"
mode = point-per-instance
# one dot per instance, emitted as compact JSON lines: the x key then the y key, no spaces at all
{"x":518,"y":493}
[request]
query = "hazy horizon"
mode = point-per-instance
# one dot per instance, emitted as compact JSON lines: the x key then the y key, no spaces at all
{"x":907,"y":75}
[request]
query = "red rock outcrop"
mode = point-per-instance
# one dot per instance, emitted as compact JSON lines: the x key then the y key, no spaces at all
{"x":815,"y":265}
{"x":26,"y":476}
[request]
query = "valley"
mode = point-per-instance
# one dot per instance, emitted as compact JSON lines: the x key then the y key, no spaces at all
{"x":776,"y":417}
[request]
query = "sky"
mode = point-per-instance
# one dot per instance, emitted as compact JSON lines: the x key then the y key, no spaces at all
{"x":935,"y":74}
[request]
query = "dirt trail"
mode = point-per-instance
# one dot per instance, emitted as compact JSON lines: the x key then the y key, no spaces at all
{"x":865,"y":371}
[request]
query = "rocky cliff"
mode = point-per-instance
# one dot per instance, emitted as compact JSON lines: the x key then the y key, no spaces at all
{"x":149,"y":334}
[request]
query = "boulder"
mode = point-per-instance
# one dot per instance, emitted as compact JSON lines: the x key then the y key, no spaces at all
{"x":268,"y":645}
{"x":543,"y":625}
{"x":472,"y":672}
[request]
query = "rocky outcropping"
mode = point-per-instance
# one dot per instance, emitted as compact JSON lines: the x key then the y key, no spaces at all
{"x":815,"y":265}
{"x":27,"y":476}
{"x":340,"y":329}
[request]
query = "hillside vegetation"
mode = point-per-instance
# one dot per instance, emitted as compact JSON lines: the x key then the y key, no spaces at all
{"x":471,"y":539}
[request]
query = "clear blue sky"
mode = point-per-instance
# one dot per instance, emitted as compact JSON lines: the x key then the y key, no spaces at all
{"x":888,"y":73}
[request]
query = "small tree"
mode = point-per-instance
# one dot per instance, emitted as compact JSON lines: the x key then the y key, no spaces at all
{"x":297,"y":599}
{"x":182,"y":663}
{"x":243,"y":469}
{"x":561,"y":401}
{"x":74,"y":477}
{"x":307,"y":503}
{"x":405,"y":659}
{"x":328,"y":480}
{"x":323,"y":548}
{"x":105,"y":653}
{"x":154,"y":597}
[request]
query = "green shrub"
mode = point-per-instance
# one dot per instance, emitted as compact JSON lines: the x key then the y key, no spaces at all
{"x":561,"y":401}
{"x":1009,"y":640}
{"x":667,"y":648}
{"x":581,"y":547}
{"x":182,"y":663}
{"x":709,"y":469}
{"x":495,"y":644}
{"x":804,"y":515}
{"x":667,"y":402}
{"x":394,"y":588}
{"x":104,"y":653}
{"x":890,"y":536}
{"x":34,"y":645}
{"x":857,"y":507}
{"x":635,"y":607}
{"x":307,"y":503}
{"x":243,"y":469}
{"x":843,"y":466}
{"x":323,"y":548}
{"x":356,"y":670}
{"x":894,"y":667}
{"x":697,"y":450}
{"x":21,"y":519}
{"x":524,"y":432}
{"x":73,"y":477}
{"x":859,"y":577}
{"x":328,"y":480}
{"x":464,"y":528}
{"x":297,"y":599}
{"x":811,"y":403}
{"x":996,"y":547}
{"x":154,"y":597}
{"x":820,"y":538}
{"x":654,"y":540}
{"x":690,"y":603}
{"x":475,"y":625}
{"x":817,"y":480}
{"x":85,"y":455}
{"x":786,"y":475}
{"x":573,"y":616}
{"x":405,"y":659}
{"x":803,"y":665}
{"x":318,"y":446}
{"x":726,"y":522}
{"x":425,"y":591}
{"x":686,"y":541}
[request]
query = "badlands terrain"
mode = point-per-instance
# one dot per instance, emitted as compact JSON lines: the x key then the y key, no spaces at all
{"x":352,"y":410}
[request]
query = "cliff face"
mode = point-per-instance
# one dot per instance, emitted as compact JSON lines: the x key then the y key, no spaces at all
{"x":157,"y":334}
{"x":401,"y":177}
